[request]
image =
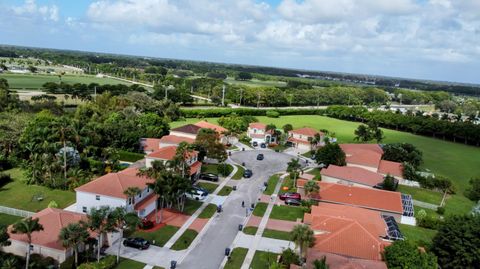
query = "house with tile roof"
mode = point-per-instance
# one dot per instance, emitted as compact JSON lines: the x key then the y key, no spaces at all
{"x":300,"y":138}
{"x":351,"y":175}
{"x":191,"y":130}
{"x":150,"y":145}
{"x":258,"y":133}
{"x":46,"y":242}
{"x":109,"y":190}
{"x":168,"y":153}
{"x":335,"y":261}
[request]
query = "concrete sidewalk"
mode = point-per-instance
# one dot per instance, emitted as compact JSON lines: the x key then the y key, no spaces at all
{"x":265,"y":244}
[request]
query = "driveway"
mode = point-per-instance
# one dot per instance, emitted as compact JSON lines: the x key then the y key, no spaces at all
{"x":209,"y":252}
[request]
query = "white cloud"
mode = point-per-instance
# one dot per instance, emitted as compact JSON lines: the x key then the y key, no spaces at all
{"x":30,"y":8}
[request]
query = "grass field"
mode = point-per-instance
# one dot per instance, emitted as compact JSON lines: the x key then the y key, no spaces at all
{"x":276,"y":234}
{"x":256,"y":83}
{"x":6,"y":219}
{"x":283,"y":212}
{"x":35,"y":81}
{"x":420,"y":236}
{"x":263,"y":259}
{"x":18,"y":195}
{"x":127,"y":156}
{"x":423,"y":195}
{"x":236,"y":258}
{"x":272,"y":183}
{"x":129,"y":264}
{"x":185,"y":240}
{"x":158,"y":237}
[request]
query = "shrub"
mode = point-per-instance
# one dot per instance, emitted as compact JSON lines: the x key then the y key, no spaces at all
{"x":429,"y":222}
{"x":289,"y":257}
{"x":108,"y":262}
{"x":473,"y":192}
{"x":441,"y":210}
{"x":224,"y":169}
{"x":4,"y":179}
{"x":244,"y":138}
{"x":52,"y":204}
{"x":272,"y":114}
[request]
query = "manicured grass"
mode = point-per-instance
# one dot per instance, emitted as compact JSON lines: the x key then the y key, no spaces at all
{"x":423,"y":195}
{"x":35,"y":81}
{"x":279,"y":148}
{"x":130,"y":156}
{"x":208,"y":212}
{"x":6,"y":219}
{"x":236,"y":258}
{"x":263,"y":259}
{"x":260,"y":209}
{"x":291,"y":213}
{"x":316,"y":173}
{"x":129,"y":264}
{"x":19,"y":195}
{"x":255,"y":82}
{"x":250,"y":230}
{"x":191,"y":206}
{"x":272,"y":183}
{"x":421,"y":236}
{"x":288,"y":183}
{"x":210,"y":187}
{"x":239,"y":174}
{"x":226,"y":190}
{"x":185,"y":240}
{"x":158,"y":237}
{"x":213,"y":168}
{"x":276,"y":234}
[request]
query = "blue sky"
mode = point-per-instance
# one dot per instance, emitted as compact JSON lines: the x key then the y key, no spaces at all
{"x":427,"y":39}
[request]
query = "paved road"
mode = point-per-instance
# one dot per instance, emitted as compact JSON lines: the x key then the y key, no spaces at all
{"x":209,"y":252}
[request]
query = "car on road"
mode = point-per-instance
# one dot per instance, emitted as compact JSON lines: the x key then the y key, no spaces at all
{"x":260,"y":157}
{"x":137,"y":242}
{"x":247,"y":173}
{"x":255,"y":144}
{"x":263,"y":145}
{"x":294,"y":202}
{"x":209,"y":177}
{"x":196,"y":194}
{"x":290,"y":195}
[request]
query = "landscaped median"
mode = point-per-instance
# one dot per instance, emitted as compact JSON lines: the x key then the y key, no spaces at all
{"x":260,"y":209}
{"x":272,"y":183}
{"x":239,"y":174}
{"x":251,"y":230}
{"x":185,"y":240}
{"x":237,"y":256}
{"x":208,"y":212}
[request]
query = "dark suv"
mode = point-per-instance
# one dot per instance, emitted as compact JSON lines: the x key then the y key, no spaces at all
{"x":209,"y":177}
{"x":136,"y":242}
{"x":260,"y":157}
{"x":248,"y":173}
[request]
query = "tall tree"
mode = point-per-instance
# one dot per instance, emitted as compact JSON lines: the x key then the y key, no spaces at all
{"x":303,"y":237}
{"x":124,"y":222}
{"x":158,"y":172}
{"x":320,"y":264}
{"x":331,"y":153}
{"x":4,"y":236}
{"x":73,"y":236}
{"x":404,"y":254}
{"x":131,"y":192}
{"x":101,"y":221}
{"x":311,"y":187}
{"x":27,"y":226}
{"x":293,"y":168}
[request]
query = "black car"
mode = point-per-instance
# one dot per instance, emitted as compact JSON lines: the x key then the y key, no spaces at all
{"x":294,"y":202}
{"x":137,"y":242}
{"x":260,"y":157}
{"x":255,"y":144}
{"x":247,"y":173}
{"x":209,"y":177}
{"x":263,"y":145}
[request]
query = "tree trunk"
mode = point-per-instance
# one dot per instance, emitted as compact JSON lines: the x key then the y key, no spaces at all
{"x":64,"y":160}
{"x":99,"y":245}
{"x":28,"y":256}
{"x":119,"y":245}
{"x":75,"y":251}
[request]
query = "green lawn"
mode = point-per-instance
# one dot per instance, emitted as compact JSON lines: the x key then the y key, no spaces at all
{"x":35,"y":81}
{"x":191,"y":206}
{"x":284,"y":212}
{"x":272,"y":183}
{"x":213,"y":168}
{"x":287,"y":182}
{"x":239,"y":174}
{"x":6,"y":219}
{"x":251,"y":230}
{"x":127,"y":156}
{"x":210,"y":187}
{"x":263,"y":259}
{"x":185,"y":240}
{"x":208,"y":212}
{"x":255,"y":82}
{"x":158,"y":237}
{"x":423,"y":195}
{"x":260,"y":209}
{"x":236,"y":258}
{"x":276,"y":234}
{"x":17,"y":194}
{"x":419,"y":235}
{"x":129,"y":264}
{"x":315,"y":172}
{"x":225,"y":191}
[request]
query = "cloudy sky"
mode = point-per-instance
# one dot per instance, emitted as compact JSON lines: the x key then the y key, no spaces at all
{"x":428,"y":39}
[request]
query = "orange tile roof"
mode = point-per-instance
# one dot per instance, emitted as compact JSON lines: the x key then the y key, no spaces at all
{"x":392,"y":168}
{"x":349,"y":231}
{"x":52,"y":220}
{"x":370,"y":198}
{"x":363,"y":154}
{"x":173,"y":139}
{"x":146,"y":202}
{"x":167,"y":153}
{"x":258,"y":125}
{"x":205,"y":124}
{"x":195,"y":167}
{"x":306,"y":131}
{"x":115,"y":184}
{"x":150,"y":144}
{"x":335,"y":261}
{"x":353,"y":174}
{"x":295,"y":140}
{"x":188,"y":129}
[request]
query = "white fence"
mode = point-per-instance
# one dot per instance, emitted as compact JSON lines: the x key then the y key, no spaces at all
{"x":15,"y":212}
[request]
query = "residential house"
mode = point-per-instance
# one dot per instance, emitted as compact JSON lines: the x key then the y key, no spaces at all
{"x":351,"y":175}
{"x":191,"y":130}
{"x":301,"y":138}
{"x":258,"y":133}
{"x":150,"y":145}
{"x":335,"y":261}
{"x":168,"y":153}
{"x":46,"y":242}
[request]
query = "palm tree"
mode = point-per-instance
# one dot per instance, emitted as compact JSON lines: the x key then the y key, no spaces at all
{"x":294,"y":168}
{"x":303,"y":237}
{"x":311,"y":187}
{"x":27,"y":226}
{"x":100,"y":220}
{"x":72,"y":236}
{"x":64,"y":129}
{"x":124,"y":222}
{"x":159,"y":186}
{"x":320,"y":264}
{"x":131,"y":192}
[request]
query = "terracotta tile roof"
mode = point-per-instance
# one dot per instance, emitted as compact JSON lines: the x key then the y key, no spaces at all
{"x":392,"y":168}
{"x":349,"y":231}
{"x":369,"y":198}
{"x":257,"y":135}
{"x":363,"y":154}
{"x":195,"y":167}
{"x":173,"y":139}
{"x":189,"y":129}
{"x":353,"y":174}
{"x":146,"y":202}
{"x":115,"y":184}
{"x":300,"y":141}
{"x":335,"y":261}
{"x":258,"y":125}
{"x":306,"y":131}
{"x":52,"y":220}
{"x":205,"y":124}
{"x":167,"y":153}
{"x":150,"y":144}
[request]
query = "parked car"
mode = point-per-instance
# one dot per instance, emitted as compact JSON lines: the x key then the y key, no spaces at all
{"x":198,"y":188}
{"x":263,"y":145}
{"x":294,"y":202}
{"x":196,"y":194}
{"x":290,"y":195}
{"x":247,"y":173}
{"x":255,"y":144}
{"x":209,"y":177}
{"x":137,"y":242}
{"x":260,"y":157}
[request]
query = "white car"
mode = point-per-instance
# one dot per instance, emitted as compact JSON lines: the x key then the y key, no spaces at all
{"x":197,"y":195}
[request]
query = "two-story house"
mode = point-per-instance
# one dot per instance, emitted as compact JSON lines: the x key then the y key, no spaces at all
{"x":302,"y":138}
{"x":258,"y":133}
{"x":168,"y":153}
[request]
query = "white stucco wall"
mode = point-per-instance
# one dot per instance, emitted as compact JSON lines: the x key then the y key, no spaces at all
{"x":88,"y":200}
{"x":20,"y":248}
{"x":193,"y":136}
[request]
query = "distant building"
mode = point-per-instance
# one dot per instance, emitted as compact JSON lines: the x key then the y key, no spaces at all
{"x":258,"y":133}
{"x":301,"y":138}
{"x":168,"y":153}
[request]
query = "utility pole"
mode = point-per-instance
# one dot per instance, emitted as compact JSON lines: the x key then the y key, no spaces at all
{"x":258,"y":100}
{"x":241,"y":93}
{"x":223,"y":95}
{"x":95,"y":93}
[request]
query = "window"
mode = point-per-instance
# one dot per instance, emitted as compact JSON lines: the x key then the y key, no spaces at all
{"x":84,"y":209}
{"x":97,"y":197}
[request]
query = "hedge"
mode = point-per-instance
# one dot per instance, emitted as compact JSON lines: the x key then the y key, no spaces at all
{"x":219,"y":112}
{"x":108,"y":262}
